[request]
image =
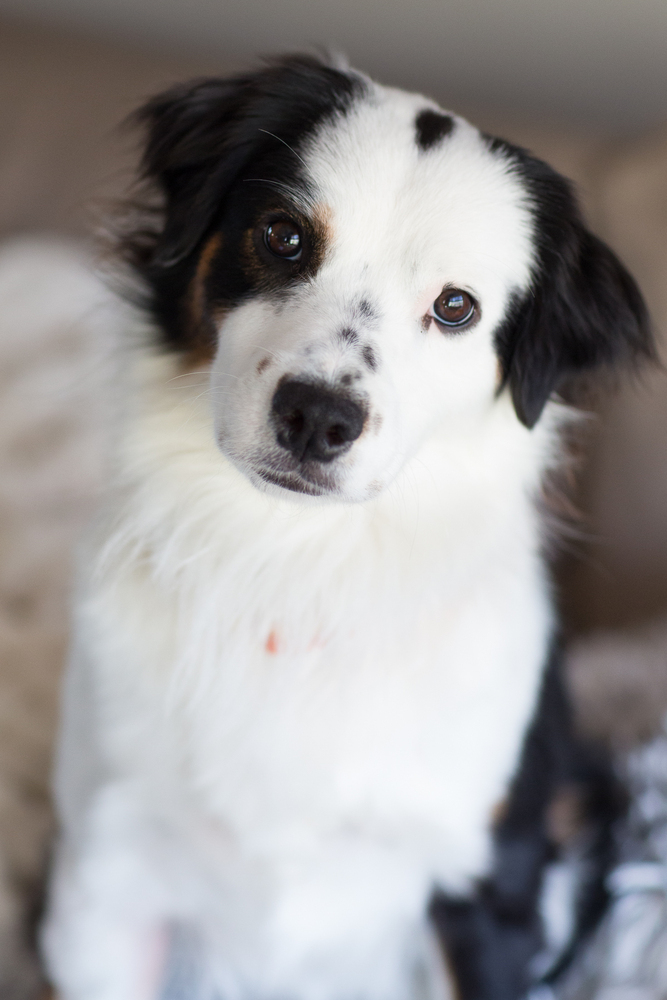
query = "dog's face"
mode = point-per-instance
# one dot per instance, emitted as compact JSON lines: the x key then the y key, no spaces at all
{"x":375,"y":273}
{"x":365,"y":271}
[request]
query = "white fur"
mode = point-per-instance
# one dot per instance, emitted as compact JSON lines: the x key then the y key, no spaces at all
{"x":287,"y":719}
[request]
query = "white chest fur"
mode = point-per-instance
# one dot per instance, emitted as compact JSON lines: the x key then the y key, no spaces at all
{"x":321,"y":705}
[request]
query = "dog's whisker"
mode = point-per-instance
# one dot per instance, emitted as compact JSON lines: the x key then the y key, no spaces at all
{"x":294,"y":193}
{"x":189,"y":385}
{"x":187,"y":375}
{"x":260,"y":347}
{"x":274,"y":136}
{"x":210,"y":391}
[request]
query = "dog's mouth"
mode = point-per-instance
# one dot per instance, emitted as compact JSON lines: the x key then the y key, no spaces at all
{"x":294,"y":482}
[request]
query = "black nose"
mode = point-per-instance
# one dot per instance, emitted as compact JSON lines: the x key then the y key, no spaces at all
{"x":314,"y":422}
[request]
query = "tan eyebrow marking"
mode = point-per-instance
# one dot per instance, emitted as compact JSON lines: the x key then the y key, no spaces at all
{"x":202,"y":270}
{"x":201,"y":326}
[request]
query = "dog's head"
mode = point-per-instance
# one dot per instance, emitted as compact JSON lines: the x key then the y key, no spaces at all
{"x":364,"y":270}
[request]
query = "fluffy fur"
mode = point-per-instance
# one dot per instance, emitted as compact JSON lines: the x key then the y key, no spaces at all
{"x":313,"y":617}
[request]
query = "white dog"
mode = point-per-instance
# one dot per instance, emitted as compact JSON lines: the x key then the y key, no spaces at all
{"x":310,"y":700}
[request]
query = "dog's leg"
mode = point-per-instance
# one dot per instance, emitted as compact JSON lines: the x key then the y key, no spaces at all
{"x":492,"y":937}
{"x":490,"y":940}
{"x":104,"y":938}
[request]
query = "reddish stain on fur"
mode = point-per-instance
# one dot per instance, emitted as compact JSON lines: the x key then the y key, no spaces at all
{"x":271,"y":644}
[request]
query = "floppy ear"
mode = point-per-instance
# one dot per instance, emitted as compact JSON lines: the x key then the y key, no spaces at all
{"x":582,"y":310}
{"x":191,"y":157}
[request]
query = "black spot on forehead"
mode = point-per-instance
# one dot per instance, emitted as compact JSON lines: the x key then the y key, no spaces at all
{"x":348,"y":335}
{"x":431,"y":127}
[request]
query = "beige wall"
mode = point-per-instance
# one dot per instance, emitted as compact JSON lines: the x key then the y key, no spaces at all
{"x":602,"y":63}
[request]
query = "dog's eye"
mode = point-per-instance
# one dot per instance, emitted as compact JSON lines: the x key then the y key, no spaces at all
{"x":283,"y":238}
{"x":454,"y":307}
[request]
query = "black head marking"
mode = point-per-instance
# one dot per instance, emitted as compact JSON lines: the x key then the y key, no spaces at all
{"x":348,"y":335}
{"x":220,"y":153}
{"x":432,"y":127}
{"x":582,"y":309}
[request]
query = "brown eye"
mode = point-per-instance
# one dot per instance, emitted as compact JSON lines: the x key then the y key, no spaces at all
{"x":454,"y":307}
{"x":283,"y":239}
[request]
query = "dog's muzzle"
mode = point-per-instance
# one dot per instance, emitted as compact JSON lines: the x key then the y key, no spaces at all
{"x":313,"y":422}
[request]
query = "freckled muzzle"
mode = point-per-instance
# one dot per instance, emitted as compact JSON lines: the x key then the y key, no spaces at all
{"x":313,"y":422}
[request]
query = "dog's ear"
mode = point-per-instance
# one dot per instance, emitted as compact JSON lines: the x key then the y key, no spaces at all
{"x":199,"y":135}
{"x":582,"y":310}
{"x":190,"y":156}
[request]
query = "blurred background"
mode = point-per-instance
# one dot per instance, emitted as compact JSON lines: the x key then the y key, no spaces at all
{"x":582,"y":83}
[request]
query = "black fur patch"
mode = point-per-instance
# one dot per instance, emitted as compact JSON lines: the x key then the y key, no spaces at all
{"x":224,"y":155}
{"x":583,"y":308}
{"x":492,"y":936}
{"x":432,"y":127}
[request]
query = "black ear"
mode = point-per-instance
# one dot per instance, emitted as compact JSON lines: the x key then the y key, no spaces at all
{"x":190,"y":157}
{"x":582,"y":310}
{"x":200,"y":135}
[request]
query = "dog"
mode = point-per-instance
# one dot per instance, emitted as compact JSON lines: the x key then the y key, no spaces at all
{"x":314,"y":711}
